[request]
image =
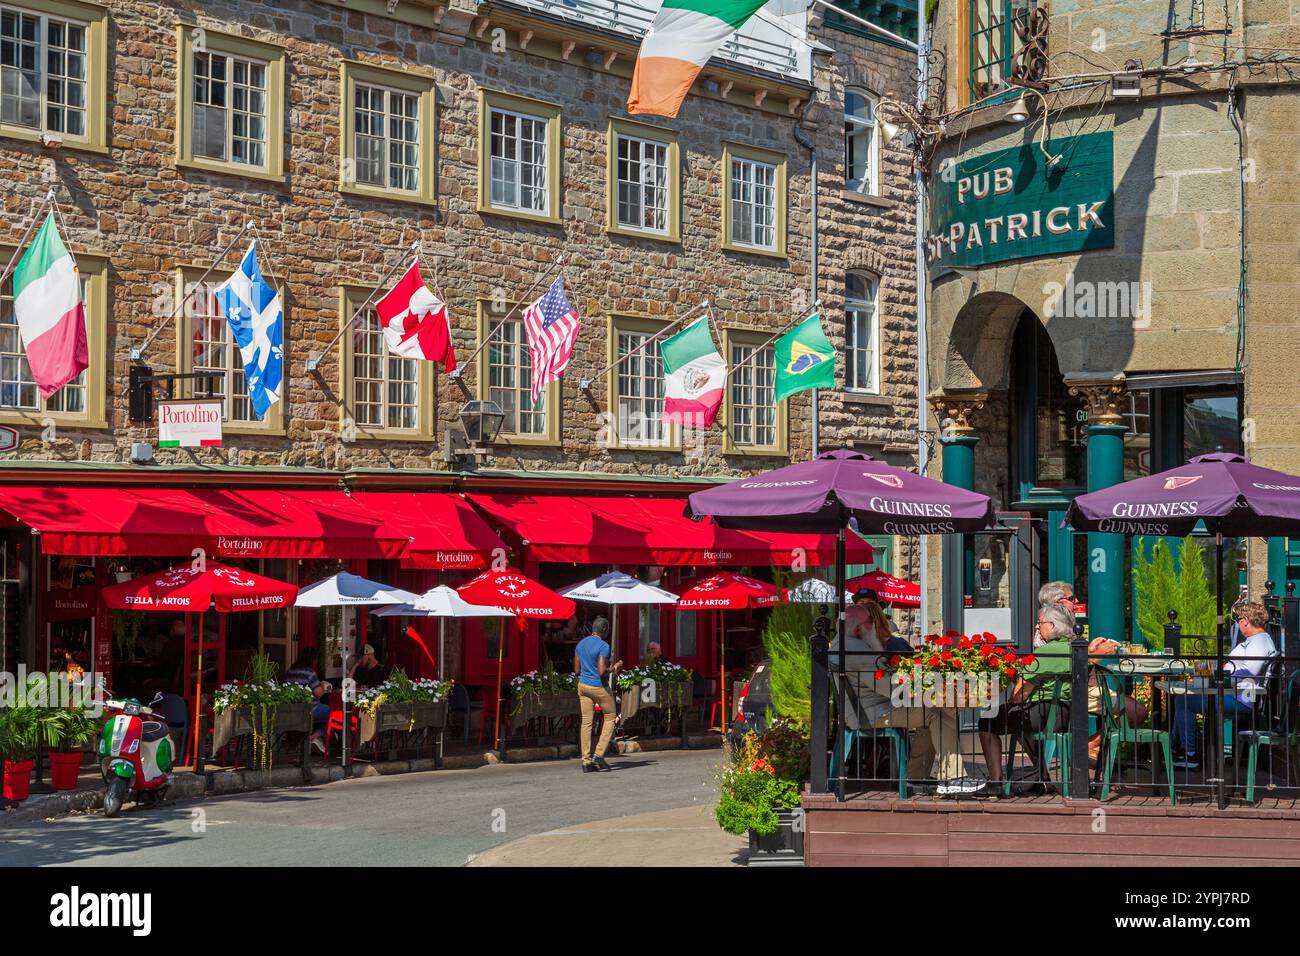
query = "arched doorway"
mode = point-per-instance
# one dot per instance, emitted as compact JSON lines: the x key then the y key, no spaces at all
{"x":1048,"y":448}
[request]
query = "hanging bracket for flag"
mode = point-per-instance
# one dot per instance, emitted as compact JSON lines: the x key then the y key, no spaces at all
{"x":314,"y":360}
{"x":18,"y":249}
{"x":454,"y":375}
{"x":585,"y":384}
{"x":137,"y":354}
{"x":757,"y":350}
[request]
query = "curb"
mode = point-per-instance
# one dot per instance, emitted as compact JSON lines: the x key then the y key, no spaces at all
{"x":190,"y":786}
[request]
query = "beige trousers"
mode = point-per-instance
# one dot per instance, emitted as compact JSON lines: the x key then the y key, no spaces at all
{"x":942,"y":742}
{"x":588,"y":698}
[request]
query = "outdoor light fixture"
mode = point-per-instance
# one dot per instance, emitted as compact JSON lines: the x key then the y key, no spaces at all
{"x":481,"y":421}
{"x":887,"y":132}
{"x":1191,"y":64}
{"x":1019,"y":111}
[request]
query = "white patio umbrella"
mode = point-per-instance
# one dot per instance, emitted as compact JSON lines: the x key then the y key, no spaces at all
{"x":616,"y":587}
{"x":350,"y":590}
{"x":441,"y":602}
{"x":816,"y":591}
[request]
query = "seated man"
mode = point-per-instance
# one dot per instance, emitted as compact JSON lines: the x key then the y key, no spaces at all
{"x":303,"y":672}
{"x":654,"y":654}
{"x":869,"y":704}
{"x":367,"y":671}
{"x":1244,"y":667}
{"x":1027,"y":707}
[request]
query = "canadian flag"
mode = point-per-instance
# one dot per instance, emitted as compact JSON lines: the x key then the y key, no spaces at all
{"x":415,"y":321}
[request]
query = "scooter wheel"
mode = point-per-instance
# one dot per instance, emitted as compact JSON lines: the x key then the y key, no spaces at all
{"x":114,"y":795}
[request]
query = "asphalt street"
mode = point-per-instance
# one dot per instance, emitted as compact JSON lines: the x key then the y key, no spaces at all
{"x":439,"y":818}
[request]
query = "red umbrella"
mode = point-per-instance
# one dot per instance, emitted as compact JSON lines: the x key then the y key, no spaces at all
{"x":726,"y":591}
{"x":188,"y":589}
{"x":889,"y":589}
{"x":200,"y":589}
{"x":523,"y":597}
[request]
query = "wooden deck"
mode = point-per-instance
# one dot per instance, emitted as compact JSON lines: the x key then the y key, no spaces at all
{"x":878,"y":829}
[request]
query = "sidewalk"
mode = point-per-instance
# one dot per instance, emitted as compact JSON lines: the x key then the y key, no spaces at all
{"x":684,"y":837}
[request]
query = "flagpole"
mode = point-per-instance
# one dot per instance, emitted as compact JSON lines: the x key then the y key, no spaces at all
{"x":868,"y":24}
{"x":586,"y":383}
{"x":18,"y":250}
{"x":807,"y":314}
{"x":454,"y":375}
{"x":137,"y":354}
{"x":313,"y":361}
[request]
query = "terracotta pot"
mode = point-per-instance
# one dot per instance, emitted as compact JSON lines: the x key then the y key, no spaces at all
{"x":64,"y":769}
{"x":18,"y":779}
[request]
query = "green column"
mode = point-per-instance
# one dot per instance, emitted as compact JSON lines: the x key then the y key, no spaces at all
{"x":959,"y":471}
{"x":1277,"y":565}
{"x":1106,"y":570}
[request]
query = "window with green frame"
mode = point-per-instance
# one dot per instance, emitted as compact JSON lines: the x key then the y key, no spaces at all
{"x":994,"y":43}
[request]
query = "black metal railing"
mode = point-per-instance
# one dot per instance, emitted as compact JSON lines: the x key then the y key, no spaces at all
{"x":1174,"y":725}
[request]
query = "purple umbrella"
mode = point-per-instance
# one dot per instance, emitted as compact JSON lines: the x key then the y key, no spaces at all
{"x":822,"y":495}
{"x":1226,"y":491}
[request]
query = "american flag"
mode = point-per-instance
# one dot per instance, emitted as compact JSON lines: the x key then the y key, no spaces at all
{"x":552,"y":326}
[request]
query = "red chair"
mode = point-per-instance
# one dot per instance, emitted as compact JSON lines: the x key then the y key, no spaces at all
{"x":336,"y":721}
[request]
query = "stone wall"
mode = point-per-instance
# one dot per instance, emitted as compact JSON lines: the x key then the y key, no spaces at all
{"x":135,"y":207}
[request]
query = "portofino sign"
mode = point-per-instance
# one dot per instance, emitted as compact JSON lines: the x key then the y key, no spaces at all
{"x":1008,"y":204}
{"x":189,"y":423}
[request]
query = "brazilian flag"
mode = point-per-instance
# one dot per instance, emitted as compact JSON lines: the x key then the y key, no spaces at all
{"x":805,"y":359}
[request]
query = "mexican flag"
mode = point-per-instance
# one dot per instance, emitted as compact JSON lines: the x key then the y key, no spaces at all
{"x":48,"y":309}
{"x":694,"y":376}
{"x":805,"y":359}
{"x":415,"y":321}
{"x":684,"y":34}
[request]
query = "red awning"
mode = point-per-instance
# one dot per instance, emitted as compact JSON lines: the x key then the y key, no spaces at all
{"x":243,"y":523}
{"x":444,"y":531}
{"x":649,"y":531}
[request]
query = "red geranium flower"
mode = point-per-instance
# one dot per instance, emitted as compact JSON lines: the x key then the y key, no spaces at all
{"x":946,"y":655}
{"x":879,"y":674}
{"x":933,"y":661}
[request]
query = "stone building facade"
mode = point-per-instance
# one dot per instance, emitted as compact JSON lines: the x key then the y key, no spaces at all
{"x":1167,"y":328}
{"x":151,"y":222}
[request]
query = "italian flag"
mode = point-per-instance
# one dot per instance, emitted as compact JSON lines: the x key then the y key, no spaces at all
{"x":685,"y":33}
{"x":47,"y":306}
{"x":694,"y":376}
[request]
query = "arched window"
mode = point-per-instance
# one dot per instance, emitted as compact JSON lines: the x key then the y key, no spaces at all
{"x":861,"y":148}
{"x":862,"y":332}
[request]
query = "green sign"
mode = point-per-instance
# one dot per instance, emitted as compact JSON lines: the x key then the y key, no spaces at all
{"x":1009,"y":204}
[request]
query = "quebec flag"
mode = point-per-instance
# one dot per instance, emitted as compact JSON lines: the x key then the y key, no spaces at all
{"x":257,"y":325}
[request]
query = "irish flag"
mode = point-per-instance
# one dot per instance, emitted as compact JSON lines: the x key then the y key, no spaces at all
{"x":685,"y":33}
{"x":47,"y":306}
{"x":415,"y":321}
{"x":694,"y":376}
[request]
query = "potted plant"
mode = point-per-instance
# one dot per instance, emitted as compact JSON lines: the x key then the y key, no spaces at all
{"x":659,"y":683}
{"x":542,"y":693}
{"x":758,"y":793}
{"x":19,"y":730}
{"x":957,"y":670}
{"x":65,"y":731}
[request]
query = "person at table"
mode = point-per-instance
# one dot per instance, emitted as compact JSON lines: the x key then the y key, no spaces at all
{"x":862,"y":595}
{"x":366,"y":671}
{"x":869,"y":702}
{"x":654,"y":654}
{"x":591,"y":664}
{"x":1027,"y":708}
{"x":1244,"y":671}
{"x":303,"y":672}
{"x":879,"y":625}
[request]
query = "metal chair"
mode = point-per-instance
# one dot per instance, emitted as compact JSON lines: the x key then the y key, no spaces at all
{"x":1117,"y":730}
{"x":1281,"y":727}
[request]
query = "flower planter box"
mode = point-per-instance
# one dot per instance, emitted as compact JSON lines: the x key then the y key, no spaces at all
{"x":17,"y":779}
{"x":784,"y":847}
{"x":530,"y":706}
{"x":64,"y":769}
{"x":403,"y":718}
{"x":673,"y":696}
{"x":239,"y":722}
